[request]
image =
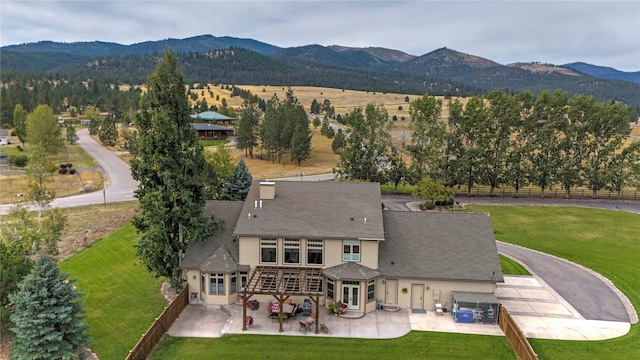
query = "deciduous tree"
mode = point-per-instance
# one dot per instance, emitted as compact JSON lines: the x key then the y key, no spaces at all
{"x":248,"y":126}
{"x":43,"y":129}
{"x":427,"y":136}
{"x":20,"y":123}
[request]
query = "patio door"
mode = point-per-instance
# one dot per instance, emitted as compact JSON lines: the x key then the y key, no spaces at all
{"x":351,"y":294}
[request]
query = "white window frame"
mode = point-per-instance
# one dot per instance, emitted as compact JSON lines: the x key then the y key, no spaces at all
{"x":351,"y":250}
{"x":315,"y":244}
{"x":290,"y":245}
{"x":269,"y":243}
{"x":219,"y":280}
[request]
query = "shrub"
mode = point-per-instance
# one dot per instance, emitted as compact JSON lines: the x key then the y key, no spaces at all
{"x":18,"y":160}
{"x":19,"y":148}
{"x":72,"y":171}
{"x":63,"y":166}
{"x":63,"y":170}
{"x":13,"y":133}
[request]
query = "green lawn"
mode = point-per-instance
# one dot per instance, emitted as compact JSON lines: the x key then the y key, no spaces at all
{"x":511,"y":267}
{"x":121,"y":298}
{"x":206,"y":143}
{"x":415,"y":345}
{"x":603,"y":240}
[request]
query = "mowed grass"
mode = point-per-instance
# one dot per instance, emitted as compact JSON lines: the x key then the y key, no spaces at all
{"x":603,"y":240}
{"x":121,"y":298}
{"x":511,"y":267}
{"x":415,"y":345}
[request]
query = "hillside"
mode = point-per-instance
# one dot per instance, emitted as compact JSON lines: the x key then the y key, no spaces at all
{"x":604,"y":72}
{"x":210,"y":59}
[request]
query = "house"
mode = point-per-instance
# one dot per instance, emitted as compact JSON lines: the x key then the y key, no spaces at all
{"x":211,"y":131}
{"x":213,"y":118}
{"x":4,"y":137}
{"x":331,"y":241}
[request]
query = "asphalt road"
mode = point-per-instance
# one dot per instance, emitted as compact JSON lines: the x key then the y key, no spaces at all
{"x":119,"y":185}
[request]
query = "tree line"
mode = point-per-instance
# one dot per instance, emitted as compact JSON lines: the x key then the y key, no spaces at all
{"x":498,"y":140}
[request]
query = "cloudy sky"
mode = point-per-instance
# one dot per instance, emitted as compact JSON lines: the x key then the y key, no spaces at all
{"x":605,"y":33}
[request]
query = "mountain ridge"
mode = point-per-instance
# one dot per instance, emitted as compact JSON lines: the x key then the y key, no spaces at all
{"x":209,"y":58}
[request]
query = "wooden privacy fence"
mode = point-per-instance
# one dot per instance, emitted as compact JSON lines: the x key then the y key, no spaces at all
{"x":558,"y":193}
{"x":518,"y":341}
{"x":160,"y":326}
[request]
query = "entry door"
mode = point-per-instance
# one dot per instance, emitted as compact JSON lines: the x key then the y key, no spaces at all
{"x":391,"y":292}
{"x":417,"y":295}
{"x":351,"y":295}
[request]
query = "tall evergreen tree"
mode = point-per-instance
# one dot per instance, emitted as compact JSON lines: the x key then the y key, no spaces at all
{"x":170,"y":166}
{"x":48,"y":316}
{"x":339,"y":141}
{"x":301,"y":142}
{"x":20,"y":123}
{"x":238,"y":186}
{"x":248,"y":126}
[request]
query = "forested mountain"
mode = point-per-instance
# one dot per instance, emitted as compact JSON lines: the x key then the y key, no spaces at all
{"x":210,"y":59}
{"x":605,"y":72}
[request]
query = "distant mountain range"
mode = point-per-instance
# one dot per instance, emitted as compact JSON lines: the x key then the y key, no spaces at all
{"x":232,"y":60}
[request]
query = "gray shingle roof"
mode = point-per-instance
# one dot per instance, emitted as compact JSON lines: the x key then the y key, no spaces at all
{"x":329,"y":210}
{"x":447,"y":246}
{"x":211,"y":115}
{"x":351,"y":271}
{"x":219,"y":252}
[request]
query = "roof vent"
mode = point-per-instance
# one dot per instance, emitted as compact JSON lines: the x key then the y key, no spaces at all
{"x":365,"y":219}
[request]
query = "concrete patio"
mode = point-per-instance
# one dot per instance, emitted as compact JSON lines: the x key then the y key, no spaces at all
{"x":537,"y":309}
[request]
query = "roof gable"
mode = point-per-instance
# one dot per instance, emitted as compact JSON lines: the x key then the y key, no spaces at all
{"x":447,"y":246}
{"x":219,"y":250}
{"x":322,"y":210}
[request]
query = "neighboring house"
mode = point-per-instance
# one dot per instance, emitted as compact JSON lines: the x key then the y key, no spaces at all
{"x":331,"y":241}
{"x":212,"y":132}
{"x":213,"y":117}
{"x":4,"y":136}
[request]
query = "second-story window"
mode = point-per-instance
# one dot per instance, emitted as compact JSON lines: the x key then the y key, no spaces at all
{"x":268,"y":251}
{"x":315,"y":251}
{"x":291,"y":251}
{"x":351,"y":250}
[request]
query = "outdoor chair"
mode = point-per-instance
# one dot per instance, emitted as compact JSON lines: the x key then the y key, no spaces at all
{"x":308,"y":323}
{"x":439,"y":310}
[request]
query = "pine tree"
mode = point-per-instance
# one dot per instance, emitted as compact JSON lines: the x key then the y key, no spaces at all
{"x":238,"y":187}
{"x":171,"y":168}
{"x":301,"y":141}
{"x":48,"y":317}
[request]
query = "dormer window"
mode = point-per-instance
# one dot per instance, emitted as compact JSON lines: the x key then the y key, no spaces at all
{"x":351,"y":250}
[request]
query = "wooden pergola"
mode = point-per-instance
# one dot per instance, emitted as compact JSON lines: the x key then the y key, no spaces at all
{"x":281,"y":283}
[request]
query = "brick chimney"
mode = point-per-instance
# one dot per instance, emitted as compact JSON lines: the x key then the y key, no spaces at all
{"x":267,"y":190}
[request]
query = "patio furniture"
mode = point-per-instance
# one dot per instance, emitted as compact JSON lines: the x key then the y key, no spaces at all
{"x":290,"y":310}
{"x":306,"y":307}
{"x":306,"y":324}
{"x":439,"y":310}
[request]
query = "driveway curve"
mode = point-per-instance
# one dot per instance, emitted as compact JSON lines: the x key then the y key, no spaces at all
{"x":118,"y":183}
{"x":592,"y":295}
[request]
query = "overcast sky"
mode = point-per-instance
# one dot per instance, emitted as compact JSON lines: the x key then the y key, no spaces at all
{"x":605,"y":33}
